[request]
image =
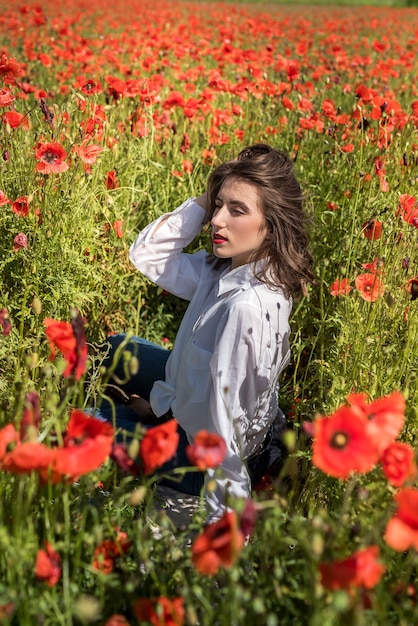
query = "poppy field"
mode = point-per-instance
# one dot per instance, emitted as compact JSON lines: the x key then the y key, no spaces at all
{"x":110,"y":115}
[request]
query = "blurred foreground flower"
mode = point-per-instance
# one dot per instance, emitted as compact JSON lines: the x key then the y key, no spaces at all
{"x":86,"y":445}
{"x":158,"y":445}
{"x":361,"y":569}
{"x":398,"y":463}
{"x":219,"y":545}
{"x":48,"y":565}
{"x":207,"y":450}
{"x":160,"y":611}
{"x":353,"y":438}
{"x":69,"y":338}
{"x":107,"y":552}
{"x":402,"y":530}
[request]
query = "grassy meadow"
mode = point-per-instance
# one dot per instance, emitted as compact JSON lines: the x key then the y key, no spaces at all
{"x":110,"y":115}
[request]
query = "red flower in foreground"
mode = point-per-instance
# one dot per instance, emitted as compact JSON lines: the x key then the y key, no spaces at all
{"x":207,"y":450}
{"x":370,"y":286}
{"x":51,"y":157}
{"x":340,"y":287}
{"x":109,"y":549}
{"x":219,"y":545}
{"x":69,"y":338}
{"x":48,"y":565}
{"x":87,"y":444}
{"x":342,"y":444}
{"x":402,"y":530}
{"x":372,"y":229}
{"x":160,"y":611}
{"x":398,"y":463}
{"x":361,"y":569}
{"x":8,"y":435}
{"x":158,"y":445}
{"x":15,"y":119}
{"x":384,"y":416}
{"x":117,"y":620}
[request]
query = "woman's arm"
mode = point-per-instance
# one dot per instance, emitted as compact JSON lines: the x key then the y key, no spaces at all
{"x":157,"y":252}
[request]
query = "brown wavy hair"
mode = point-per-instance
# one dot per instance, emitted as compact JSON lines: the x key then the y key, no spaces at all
{"x":288,"y":260}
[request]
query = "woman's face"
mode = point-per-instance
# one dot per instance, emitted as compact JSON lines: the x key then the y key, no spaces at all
{"x":238,"y":223}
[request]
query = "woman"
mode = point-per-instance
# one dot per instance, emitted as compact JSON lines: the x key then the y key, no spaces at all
{"x":233,"y":342}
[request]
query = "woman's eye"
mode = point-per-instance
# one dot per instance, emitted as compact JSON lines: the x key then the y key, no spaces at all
{"x":237,"y":211}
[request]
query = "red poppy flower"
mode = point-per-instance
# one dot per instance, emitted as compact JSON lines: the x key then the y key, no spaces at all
{"x":29,"y":457}
{"x":158,"y":445}
{"x":372,"y":229}
{"x":398,"y":463}
{"x":342,"y":444}
{"x":340,"y":287}
{"x":21,"y":206}
{"x":4,"y":199}
{"x":87,"y":444}
{"x":8,"y":437}
{"x":107,"y":552}
{"x":207,"y":450}
{"x":402,"y":530}
{"x":385,"y":416}
{"x":370,"y":286}
{"x":90,"y":87}
{"x":160,"y":611}
{"x":375,"y":267}
{"x":48,"y":565}
{"x":69,"y":338}
{"x":120,"y":455}
{"x":15,"y":119}
{"x":412,"y":287}
{"x":88,"y":153}
{"x":111,"y":180}
{"x":219,"y":545}
{"x":408,"y":209}
{"x":6,"y":98}
{"x":51,"y":157}
{"x":19,"y":242}
{"x":118,"y":226}
{"x":5,"y":323}
{"x":117,"y":620}
{"x":9,"y":67}
{"x":361,"y":569}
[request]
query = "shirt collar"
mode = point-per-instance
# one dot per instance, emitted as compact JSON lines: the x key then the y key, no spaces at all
{"x":241,"y":277}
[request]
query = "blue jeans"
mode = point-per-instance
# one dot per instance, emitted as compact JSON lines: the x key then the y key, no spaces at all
{"x":151,"y":360}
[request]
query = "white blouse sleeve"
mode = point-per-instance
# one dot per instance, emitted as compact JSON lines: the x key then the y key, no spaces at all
{"x":241,"y":370}
{"x":158,"y":254}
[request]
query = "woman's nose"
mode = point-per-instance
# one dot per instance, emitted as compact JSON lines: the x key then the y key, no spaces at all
{"x":218,"y":218}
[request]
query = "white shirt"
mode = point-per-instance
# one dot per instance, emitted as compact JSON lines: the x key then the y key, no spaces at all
{"x":232,"y":344}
